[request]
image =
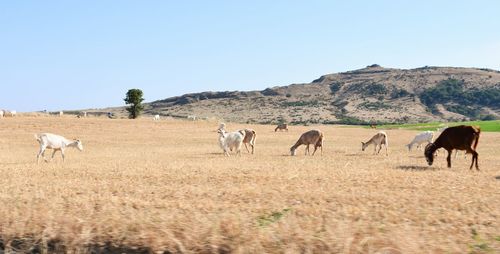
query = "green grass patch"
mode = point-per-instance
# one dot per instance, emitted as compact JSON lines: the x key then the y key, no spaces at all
{"x":265,"y":220}
{"x":490,"y":126}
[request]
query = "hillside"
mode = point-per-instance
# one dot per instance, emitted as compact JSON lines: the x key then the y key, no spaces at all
{"x":371,"y":94}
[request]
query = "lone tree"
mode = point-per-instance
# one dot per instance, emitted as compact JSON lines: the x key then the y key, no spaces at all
{"x":134,"y":98}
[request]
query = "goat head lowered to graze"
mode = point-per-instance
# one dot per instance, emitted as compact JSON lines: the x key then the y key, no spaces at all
{"x":419,"y":139}
{"x":312,"y":137}
{"x":281,"y":127}
{"x":378,"y":139}
{"x":462,"y":137}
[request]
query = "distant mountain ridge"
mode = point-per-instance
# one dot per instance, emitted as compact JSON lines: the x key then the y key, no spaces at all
{"x":371,"y":94}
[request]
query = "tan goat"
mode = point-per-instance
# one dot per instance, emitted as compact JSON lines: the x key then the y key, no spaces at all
{"x":250,"y":137}
{"x":378,"y":139}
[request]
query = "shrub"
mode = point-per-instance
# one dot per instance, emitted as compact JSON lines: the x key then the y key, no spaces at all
{"x":335,"y":87}
{"x":374,"y":105}
{"x":468,"y":100}
{"x":398,"y":93}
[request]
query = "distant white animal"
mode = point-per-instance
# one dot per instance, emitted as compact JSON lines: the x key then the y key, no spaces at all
{"x":61,"y":113}
{"x":378,"y":139}
{"x":421,"y":138}
{"x":1,"y":113}
{"x":55,"y":142}
{"x":156,"y":117}
{"x":192,"y":118}
{"x":7,"y":113}
{"x":231,"y":141}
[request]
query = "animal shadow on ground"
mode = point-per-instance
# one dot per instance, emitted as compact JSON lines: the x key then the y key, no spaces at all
{"x":416,"y":156}
{"x":497,"y":177}
{"x":414,"y":168}
{"x":355,"y":154}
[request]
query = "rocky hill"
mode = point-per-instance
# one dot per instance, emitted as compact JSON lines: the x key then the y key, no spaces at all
{"x":371,"y":94}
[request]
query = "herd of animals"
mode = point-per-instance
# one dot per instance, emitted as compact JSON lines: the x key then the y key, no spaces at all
{"x":462,"y":137}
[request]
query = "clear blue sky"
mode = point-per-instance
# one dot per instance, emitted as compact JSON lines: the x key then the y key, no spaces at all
{"x":86,"y":54}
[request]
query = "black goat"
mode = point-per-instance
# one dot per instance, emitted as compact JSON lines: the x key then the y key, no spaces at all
{"x":462,"y":137}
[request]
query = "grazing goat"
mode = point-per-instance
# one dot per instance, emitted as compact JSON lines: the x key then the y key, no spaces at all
{"x":156,"y":118}
{"x":462,"y":137}
{"x":419,"y":139}
{"x":230,"y":141}
{"x":281,"y":127}
{"x":314,"y":137}
{"x":378,"y":139}
{"x":55,"y":142}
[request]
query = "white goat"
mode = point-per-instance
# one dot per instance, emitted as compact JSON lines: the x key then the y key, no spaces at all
{"x":378,"y":139}
{"x":156,"y":118}
{"x":1,"y":113}
{"x":250,"y":137}
{"x":230,"y":141}
{"x":61,"y":113}
{"x":421,"y":138}
{"x":55,"y":142}
{"x":8,"y":113}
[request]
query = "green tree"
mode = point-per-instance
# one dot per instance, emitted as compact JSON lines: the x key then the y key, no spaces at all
{"x":134,"y":99}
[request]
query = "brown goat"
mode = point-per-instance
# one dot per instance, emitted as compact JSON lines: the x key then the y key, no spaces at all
{"x":462,"y":137}
{"x":311,"y":137}
{"x":281,"y":127}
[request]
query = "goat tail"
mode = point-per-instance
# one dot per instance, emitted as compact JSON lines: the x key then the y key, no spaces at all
{"x":476,"y":135}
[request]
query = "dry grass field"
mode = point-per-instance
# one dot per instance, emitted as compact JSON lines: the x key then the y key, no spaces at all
{"x":144,"y":186}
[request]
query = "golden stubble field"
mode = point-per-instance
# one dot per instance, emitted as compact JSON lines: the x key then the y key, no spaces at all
{"x":165,"y":186}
